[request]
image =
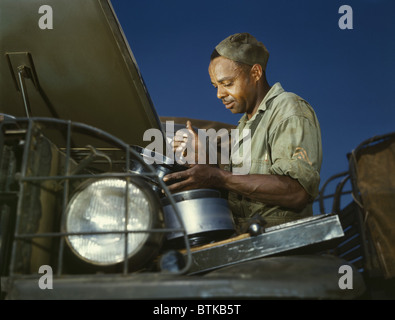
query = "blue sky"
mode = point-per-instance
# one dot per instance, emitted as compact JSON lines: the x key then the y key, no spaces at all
{"x":348,"y":76}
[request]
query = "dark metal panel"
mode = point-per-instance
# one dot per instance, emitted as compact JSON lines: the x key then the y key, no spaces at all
{"x":81,"y":70}
{"x":300,"y":277}
{"x":281,"y":239}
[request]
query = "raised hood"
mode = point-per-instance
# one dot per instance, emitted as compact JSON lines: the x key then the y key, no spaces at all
{"x":81,"y":70}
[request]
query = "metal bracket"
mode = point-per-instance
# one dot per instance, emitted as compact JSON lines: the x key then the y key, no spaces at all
{"x":24,"y":73}
{"x":21,"y":68}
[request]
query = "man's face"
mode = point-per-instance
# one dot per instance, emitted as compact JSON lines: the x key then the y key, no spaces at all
{"x":235,"y":85}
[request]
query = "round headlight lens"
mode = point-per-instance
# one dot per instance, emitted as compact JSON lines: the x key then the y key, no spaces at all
{"x":100,"y":206}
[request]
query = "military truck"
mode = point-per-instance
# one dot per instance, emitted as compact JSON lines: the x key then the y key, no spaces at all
{"x":85,"y":214}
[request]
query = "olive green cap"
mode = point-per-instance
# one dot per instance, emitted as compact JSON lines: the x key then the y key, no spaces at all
{"x":244,"y":48}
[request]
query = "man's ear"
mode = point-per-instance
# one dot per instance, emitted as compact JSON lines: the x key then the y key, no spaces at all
{"x":256,"y":72}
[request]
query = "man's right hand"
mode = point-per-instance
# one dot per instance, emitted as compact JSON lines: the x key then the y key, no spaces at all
{"x":186,"y":144}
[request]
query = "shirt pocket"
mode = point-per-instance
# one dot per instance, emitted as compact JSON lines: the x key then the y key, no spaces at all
{"x":260,"y":166}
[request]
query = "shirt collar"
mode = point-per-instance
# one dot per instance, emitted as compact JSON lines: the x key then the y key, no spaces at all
{"x":274,"y":91}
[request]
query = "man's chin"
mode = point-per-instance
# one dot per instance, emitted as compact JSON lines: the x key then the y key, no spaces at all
{"x":235,"y":110}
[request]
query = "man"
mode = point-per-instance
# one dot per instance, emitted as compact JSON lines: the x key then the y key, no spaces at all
{"x":286,"y":152}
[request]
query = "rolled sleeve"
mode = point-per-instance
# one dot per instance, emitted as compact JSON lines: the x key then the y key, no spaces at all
{"x":296,"y":152}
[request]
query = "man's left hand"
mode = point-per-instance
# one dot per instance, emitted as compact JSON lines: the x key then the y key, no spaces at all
{"x":196,"y":177}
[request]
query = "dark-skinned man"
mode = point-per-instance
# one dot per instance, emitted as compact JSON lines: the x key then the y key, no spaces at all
{"x":286,"y":152}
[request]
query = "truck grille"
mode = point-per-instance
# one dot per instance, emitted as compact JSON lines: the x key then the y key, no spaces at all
{"x":54,"y":157}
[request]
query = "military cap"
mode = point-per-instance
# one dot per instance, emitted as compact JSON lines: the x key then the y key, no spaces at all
{"x":244,"y":48}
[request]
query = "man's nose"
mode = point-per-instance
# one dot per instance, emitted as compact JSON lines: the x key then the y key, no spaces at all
{"x":221,"y":93}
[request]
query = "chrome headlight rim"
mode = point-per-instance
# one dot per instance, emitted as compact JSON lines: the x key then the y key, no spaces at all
{"x":148,"y":247}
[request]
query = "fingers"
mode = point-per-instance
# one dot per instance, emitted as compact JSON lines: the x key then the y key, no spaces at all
{"x":178,"y":139}
{"x":181,"y":137}
{"x":189,"y":127}
{"x":191,"y":130}
{"x":185,"y":144}
{"x":179,"y":175}
{"x":178,"y":145}
{"x":179,"y":185}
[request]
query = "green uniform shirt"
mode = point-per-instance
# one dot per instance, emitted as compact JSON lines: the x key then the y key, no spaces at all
{"x":286,"y":141}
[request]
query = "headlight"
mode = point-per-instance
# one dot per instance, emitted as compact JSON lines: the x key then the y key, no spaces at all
{"x":101,"y":206}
